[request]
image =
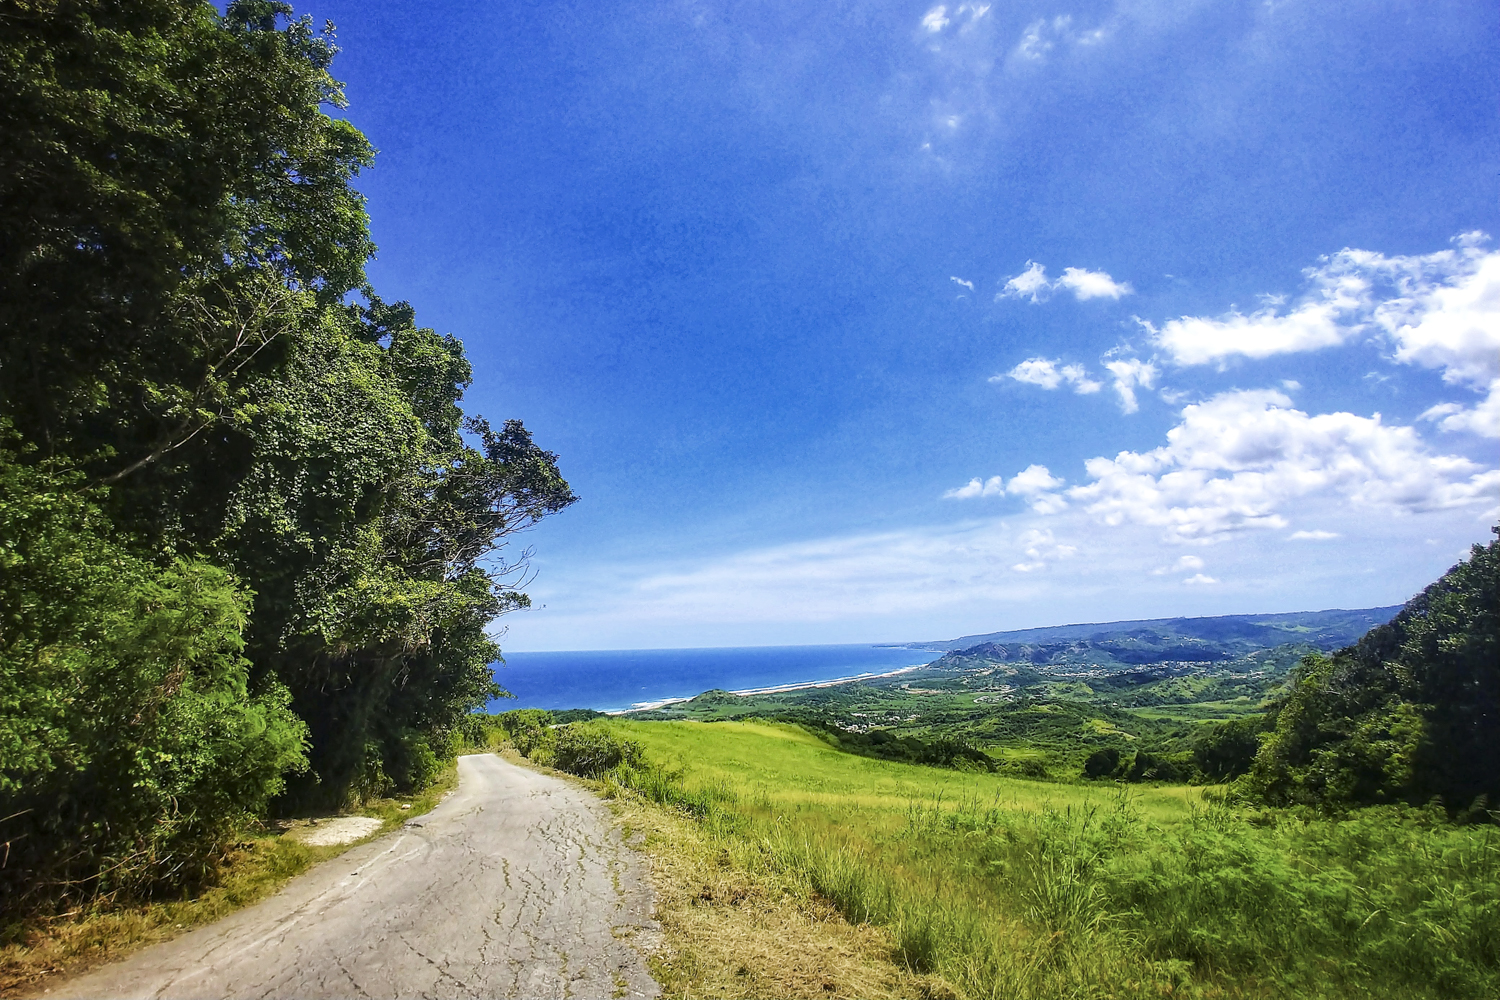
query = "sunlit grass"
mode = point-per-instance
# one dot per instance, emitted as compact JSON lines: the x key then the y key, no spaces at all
{"x":1004,"y":887}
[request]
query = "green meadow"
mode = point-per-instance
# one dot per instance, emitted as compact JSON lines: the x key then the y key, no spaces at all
{"x":992,"y":886}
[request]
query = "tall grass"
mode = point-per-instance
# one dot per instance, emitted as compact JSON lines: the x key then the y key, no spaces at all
{"x":1098,"y":899}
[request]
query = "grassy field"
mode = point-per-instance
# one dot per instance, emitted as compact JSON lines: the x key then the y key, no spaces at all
{"x":991,"y":886}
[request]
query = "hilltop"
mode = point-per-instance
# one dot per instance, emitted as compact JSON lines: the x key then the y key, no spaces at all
{"x":1331,"y":629}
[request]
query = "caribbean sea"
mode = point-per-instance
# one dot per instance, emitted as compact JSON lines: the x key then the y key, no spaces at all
{"x":618,"y":679}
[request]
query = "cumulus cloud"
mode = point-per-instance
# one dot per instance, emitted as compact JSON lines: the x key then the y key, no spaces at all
{"x":1086,"y":284}
{"x":1034,"y":284}
{"x":1446,"y":313}
{"x":936,"y":19}
{"x":1439,"y":310}
{"x":1483,"y":418}
{"x":1035,"y":484}
{"x":1130,"y":373}
{"x":1322,"y":319}
{"x":1199,"y":578}
{"x":1050,"y":374}
{"x":959,"y":281}
{"x":1239,"y":460}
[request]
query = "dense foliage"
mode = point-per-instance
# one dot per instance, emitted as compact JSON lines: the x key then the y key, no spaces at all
{"x":1409,"y":713}
{"x":246,"y":530}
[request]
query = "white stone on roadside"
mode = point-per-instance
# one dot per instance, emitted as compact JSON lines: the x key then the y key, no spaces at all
{"x":341,"y":830}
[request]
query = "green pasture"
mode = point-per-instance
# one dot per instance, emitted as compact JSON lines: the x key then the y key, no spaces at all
{"x":783,"y":767}
{"x":1005,"y":887}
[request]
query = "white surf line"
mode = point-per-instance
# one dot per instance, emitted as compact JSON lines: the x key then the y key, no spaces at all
{"x":648,"y":706}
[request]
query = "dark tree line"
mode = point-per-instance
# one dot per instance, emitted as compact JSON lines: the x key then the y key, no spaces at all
{"x":247,"y":534}
{"x":1409,"y":713}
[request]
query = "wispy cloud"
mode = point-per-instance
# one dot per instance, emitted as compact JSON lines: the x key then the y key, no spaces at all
{"x":936,"y":19}
{"x":1034,"y":284}
{"x":1043,"y":35}
{"x":1050,"y":374}
{"x":1313,"y":536}
{"x":1130,"y":373}
{"x":959,"y":281}
{"x":923,"y":582}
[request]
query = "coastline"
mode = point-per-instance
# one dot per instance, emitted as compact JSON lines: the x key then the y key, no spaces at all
{"x":649,"y":706}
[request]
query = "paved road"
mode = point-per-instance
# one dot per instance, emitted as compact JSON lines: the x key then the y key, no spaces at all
{"x":517,"y":885}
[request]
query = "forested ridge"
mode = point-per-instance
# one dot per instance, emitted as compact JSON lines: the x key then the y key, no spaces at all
{"x":248,"y":536}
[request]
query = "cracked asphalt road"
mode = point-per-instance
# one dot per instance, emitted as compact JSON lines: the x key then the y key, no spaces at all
{"x":517,"y":885}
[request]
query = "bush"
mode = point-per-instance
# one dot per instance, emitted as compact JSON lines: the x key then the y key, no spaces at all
{"x":132,"y":738}
{"x":1101,"y":763}
{"x":591,"y":750}
{"x":526,"y":728}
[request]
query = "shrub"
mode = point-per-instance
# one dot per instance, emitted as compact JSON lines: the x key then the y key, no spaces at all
{"x":590,"y":750}
{"x":526,"y":727}
{"x":132,"y":737}
{"x":1101,"y":763}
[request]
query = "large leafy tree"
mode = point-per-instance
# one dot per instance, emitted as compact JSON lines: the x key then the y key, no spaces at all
{"x":192,"y":364}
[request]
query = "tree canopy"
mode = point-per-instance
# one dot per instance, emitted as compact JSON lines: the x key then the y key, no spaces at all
{"x":244,"y":520}
{"x":1408,"y":713}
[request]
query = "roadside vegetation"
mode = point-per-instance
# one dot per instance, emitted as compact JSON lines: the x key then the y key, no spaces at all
{"x":247,"y":532}
{"x":983,"y":885}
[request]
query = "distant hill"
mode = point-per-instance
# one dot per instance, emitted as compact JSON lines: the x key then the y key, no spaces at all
{"x":1231,"y":635}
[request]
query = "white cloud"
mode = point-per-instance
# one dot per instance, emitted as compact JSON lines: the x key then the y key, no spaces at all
{"x":1035,"y":483}
{"x":1240,"y":459}
{"x":1483,"y":418}
{"x":1049,"y":374}
{"x":1313,"y":536}
{"x":1086,"y":284}
{"x":1446,"y":314}
{"x":936,"y":19}
{"x":976,"y":487}
{"x":1439,"y":310}
{"x":959,"y":281}
{"x":1038,"y":486}
{"x":1130,"y":373}
{"x":1034,"y":284}
{"x":1319,"y":321}
{"x":1198,"y":578}
{"x":1031,"y":282}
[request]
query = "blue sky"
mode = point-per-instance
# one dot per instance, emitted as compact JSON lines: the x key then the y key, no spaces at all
{"x":887,"y":321}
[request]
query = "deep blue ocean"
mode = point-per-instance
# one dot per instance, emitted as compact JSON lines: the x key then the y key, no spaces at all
{"x":616,"y":679}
